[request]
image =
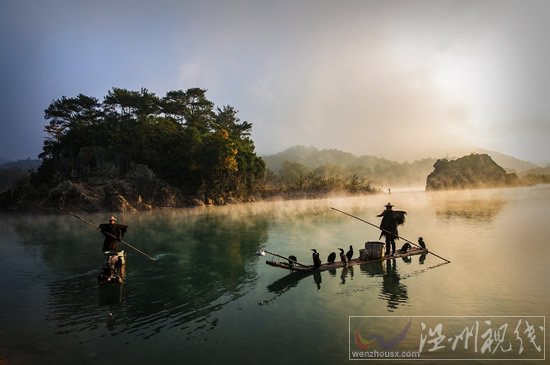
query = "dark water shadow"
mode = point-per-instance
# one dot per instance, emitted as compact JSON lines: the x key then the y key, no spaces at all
{"x":202,"y":265}
{"x":393,"y":291}
{"x":346,"y":273}
{"x":372,"y":268}
{"x":286,"y":283}
{"x":110,"y":295}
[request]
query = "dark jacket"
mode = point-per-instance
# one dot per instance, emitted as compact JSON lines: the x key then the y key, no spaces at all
{"x":113,"y":234}
{"x":390,"y":220}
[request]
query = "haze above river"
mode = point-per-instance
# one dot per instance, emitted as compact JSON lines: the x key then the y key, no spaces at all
{"x":209,"y":299}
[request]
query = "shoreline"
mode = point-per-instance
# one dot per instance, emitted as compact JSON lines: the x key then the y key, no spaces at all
{"x":34,"y":208}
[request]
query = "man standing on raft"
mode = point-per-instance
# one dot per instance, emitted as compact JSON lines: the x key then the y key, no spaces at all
{"x":113,"y":233}
{"x":390,"y":220}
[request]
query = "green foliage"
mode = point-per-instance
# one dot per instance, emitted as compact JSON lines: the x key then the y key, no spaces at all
{"x":202,"y":150}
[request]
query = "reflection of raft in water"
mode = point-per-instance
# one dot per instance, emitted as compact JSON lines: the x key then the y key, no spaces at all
{"x":338,"y":264}
{"x":113,"y":269}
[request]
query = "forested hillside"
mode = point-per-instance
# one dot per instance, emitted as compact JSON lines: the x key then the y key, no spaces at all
{"x":181,"y":144}
{"x":309,"y":161}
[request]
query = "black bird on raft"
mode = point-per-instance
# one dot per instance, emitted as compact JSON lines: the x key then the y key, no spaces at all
{"x":331,"y":258}
{"x":349,"y":254}
{"x":291,"y":260}
{"x":343,"y":256}
{"x":406,"y":247}
{"x":316,"y":259}
{"x":421,"y":242}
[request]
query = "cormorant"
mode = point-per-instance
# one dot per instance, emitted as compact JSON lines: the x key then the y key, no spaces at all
{"x":349,"y":254}
{"x":293,"y":258}
{"x":331,"y":258}
{"x":421,"y":242}
{"x":343,"y":256}
{"x":316,"y":259}
{"x":406,"y":247}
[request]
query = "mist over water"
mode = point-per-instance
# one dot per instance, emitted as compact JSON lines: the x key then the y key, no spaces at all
{"x":208,"y":298}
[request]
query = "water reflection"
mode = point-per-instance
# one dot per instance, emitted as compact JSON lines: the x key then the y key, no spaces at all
{"x":317,"y":279}
{"x":203,"y":263}
{"x":284,"y":284}
{"x":470,"y":210}
{"x":422,"y":259}
{"x":372,"y":268}
{"x":345,"y":271}
{"x":51,"y":281}
{"x":109,"y":295}
{"x":393,"y":291}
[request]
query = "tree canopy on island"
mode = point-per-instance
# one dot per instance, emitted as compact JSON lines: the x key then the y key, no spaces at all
{"x":186,"y":140}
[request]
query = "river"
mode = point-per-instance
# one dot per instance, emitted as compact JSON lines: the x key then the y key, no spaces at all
{"x":207,"y":298}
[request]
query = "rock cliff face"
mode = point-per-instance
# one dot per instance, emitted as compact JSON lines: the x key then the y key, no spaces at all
{"x":97,"y":181}
{"x":469,"y":172}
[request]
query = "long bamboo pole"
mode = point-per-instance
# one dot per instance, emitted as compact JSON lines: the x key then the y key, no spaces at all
{"x":286,"y":258}
{"x":374,"y":225}
{"x":107,"y":233}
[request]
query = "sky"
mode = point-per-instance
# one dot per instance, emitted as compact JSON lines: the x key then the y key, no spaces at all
{"x":398,"y":79}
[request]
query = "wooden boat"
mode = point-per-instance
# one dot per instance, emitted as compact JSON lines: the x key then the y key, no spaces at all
{"x":113,"y":269}
{"x":357,"y":261}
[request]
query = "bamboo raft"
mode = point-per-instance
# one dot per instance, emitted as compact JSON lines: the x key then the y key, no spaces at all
{"x":297,"y":267}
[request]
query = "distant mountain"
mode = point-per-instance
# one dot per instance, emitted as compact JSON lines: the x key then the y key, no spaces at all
{"x":25,"y":165}
{"x":381,"y":171}
{"x":312,"y":157}
{"x":3,"y":160}
{"x":509,"y":163}
{"x":538,"y":171}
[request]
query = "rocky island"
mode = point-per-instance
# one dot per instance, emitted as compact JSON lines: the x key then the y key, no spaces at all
{"x":469,"y":172}
{"x":138,"y":151}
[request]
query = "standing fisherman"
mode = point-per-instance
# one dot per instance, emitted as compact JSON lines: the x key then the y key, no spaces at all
{"x":390,"y":220}
{"x":113,"y":233}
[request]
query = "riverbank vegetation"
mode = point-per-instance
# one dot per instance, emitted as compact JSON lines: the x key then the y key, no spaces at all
{"x":182,"y":137}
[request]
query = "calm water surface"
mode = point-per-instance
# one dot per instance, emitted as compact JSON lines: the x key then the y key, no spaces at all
{"x":208,"y":299}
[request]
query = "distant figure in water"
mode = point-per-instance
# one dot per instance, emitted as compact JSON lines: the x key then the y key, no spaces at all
{"x":421,"y":242}
{"x":343,"y":256}
{"x":389,"y":191}
{"x":390,"y":220}
{"x":331,"y":258}
{"x":316,"y":259}
{"x":113,"y":233}
{"x":405,"y":248}
{"x":349,"y":254}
